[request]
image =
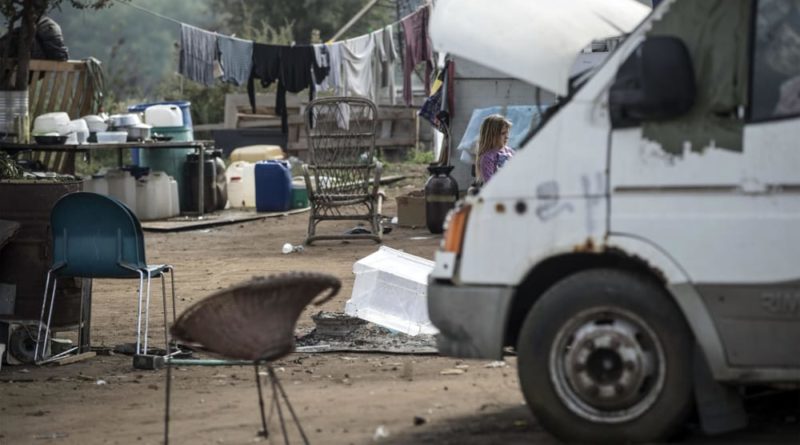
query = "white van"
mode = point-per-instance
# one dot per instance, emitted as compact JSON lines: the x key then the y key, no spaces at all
{"x":641,"y":253}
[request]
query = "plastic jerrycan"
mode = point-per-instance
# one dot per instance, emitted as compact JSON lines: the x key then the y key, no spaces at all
{"x":241,"y":180}
{"x":273,"y":186}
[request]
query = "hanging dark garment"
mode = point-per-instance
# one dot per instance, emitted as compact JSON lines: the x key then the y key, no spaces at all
{"x":418,"y":48}
{"x":266,"y":67}
{"x":296,"y":65}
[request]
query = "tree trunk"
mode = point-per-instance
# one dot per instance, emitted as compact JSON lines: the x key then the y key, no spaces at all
{"x":25,"y":45}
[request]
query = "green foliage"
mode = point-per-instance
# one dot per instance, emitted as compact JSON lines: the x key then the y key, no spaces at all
{"x":424,"y":157}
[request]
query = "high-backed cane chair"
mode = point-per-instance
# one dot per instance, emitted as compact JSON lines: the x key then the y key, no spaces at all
{"x":251,"y":323}
{"x":95,"y":236}
{"x":342,"y":175}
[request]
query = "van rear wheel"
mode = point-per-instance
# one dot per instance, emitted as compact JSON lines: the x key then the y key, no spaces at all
{"x":605,"y":356}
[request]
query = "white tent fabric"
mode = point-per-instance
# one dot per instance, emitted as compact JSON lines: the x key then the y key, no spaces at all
{"x":536,"y":41}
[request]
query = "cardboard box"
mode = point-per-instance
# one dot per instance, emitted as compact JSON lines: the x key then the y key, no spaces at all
{"x":411,"y":209}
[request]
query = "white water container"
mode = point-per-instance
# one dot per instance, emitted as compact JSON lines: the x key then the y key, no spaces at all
{"x":96,"y":184}
{"x":122,"y":186}
{"x":174,"y":198}
{"x":164,"y":116}
{"x":153,"y":195}
{"x":241,"y":179}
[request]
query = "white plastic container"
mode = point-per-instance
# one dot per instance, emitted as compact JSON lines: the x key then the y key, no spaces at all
{"x":112,"y":137}
{"x":80,"y":129}
{"x":153,"y":196}
{"x":390,"y":290}
{"x":174,"y":198}
{"x":163,"y":116}
{"x":255,"y":153}
{"x":241,"y":179}
{"x":96,"y":184}
{"x":122,"y":186}
{"x":51,"y":123}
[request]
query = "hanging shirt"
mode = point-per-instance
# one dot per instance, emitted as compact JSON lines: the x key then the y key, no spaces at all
{"x":323,"y":60}
{"x":387,"y":55}
{"x":266,"y":67}
{"x":357,"y":66}
{"x":418,"y":49}
{"x":198,"y":51}
{"x":236,"y":58}
{"x":298,"y":71}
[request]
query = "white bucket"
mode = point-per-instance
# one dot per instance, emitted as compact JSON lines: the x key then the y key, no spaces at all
{"x":241,"y":179}
{"x":122,"y":186}
{"x":153,"y":196}
{"x":174,"y":198}
{"x":96,"y":184}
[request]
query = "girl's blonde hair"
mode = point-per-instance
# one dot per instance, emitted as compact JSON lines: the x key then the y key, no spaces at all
{"x":490,"y":137}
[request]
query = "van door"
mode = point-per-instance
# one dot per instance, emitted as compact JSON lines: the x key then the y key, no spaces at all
{"x":719,"y":188}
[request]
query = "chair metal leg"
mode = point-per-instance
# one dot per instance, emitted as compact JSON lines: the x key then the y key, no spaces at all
{"x":168,"y":386}
{"x":139,"y":314}
{"x":147,"y":313}
{"x":166,"y":324}
{"x":278,"y":404}
{"x":277,"y":384}
{"x":36,"y":357}
{"x":264,"y":431}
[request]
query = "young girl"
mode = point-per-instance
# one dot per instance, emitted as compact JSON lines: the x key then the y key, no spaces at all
{"x":492,"y":149}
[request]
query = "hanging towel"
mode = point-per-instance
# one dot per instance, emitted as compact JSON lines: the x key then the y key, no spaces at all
{"x":266,"y":67}
{"x":236,"y":57}
{"x":418,"y":49}
{"x":357,"y":66}
{"x":198,"y":51}
{"x":335,"y":66}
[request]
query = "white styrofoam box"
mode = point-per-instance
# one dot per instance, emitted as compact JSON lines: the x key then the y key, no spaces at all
{"x":2,"y":354}
{"x":391,"y":290}
{"x":51,"y":123}
{"x":163,"y":116}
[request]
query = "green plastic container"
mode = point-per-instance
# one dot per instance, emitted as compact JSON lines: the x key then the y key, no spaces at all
{"x":169,"y":160}
{"x":299,"y":196}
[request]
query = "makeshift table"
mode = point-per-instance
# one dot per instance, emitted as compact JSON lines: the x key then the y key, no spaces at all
{"x":89,"y":147}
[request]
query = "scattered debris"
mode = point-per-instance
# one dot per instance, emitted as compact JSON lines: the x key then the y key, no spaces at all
{"x":100,"y":382}
{"x":496,"y":364}
{"x":419,"y":420}
{"x":462,"y":366}
{"x":380,"y":433}
{"x":336,"y":332}
{"x":452,"y":371}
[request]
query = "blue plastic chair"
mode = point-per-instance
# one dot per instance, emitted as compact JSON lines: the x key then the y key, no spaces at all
{"x":95,"y":236}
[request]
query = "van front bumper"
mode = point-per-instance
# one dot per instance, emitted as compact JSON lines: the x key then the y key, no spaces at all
{"x":471,"y":319}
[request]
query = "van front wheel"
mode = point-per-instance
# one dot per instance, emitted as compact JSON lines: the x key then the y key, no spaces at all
{"x":605,"y":356}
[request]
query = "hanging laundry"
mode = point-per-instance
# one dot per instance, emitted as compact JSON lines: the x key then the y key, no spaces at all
{"x":298,"y":71}
{"x":198,"y":51}
{"x":335,"y":67}
{"x":323,"y":60}
{"x":387,"y":54}
{"x":266,"y":67}
{"x":418,"y":48}
{"x":357,"y":66}
{"x":236,"y":58}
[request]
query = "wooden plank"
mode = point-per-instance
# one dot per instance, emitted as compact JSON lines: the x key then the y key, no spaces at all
{"x":55,"y":65}
{"x":80,"y":95}
{"x":70,"y":104}
{"x":57,"y":92}
{"x":44,"y":89}
{"x":75,"y":358}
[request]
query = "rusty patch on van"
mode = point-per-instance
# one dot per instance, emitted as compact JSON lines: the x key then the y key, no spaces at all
{"x":588,"y":246}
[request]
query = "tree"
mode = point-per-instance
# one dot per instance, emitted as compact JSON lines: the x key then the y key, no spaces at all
{"x":28,"y":12}
{"x":305,"y":15}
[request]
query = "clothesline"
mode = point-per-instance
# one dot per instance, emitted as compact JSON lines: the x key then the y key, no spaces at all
{"x":178,"y":22}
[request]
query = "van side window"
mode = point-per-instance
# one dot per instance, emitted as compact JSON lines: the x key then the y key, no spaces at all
{"x":775,"y":89}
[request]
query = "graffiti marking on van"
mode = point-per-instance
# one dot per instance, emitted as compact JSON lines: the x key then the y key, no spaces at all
{"x":781,"y":302}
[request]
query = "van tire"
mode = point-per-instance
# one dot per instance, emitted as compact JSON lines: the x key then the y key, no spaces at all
{"x":575,"y":367}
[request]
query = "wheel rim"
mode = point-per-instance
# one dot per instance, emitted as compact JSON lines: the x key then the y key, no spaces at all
{"x":607,"y":365}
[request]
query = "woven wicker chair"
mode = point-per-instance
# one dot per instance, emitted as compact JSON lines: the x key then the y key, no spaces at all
{"x":251,"y":323}
{"x":342,"y":176}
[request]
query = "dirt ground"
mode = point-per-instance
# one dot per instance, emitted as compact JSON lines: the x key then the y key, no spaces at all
{"x":342,"y":398}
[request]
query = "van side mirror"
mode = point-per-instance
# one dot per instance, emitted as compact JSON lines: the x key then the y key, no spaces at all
{"x":656,"y":82}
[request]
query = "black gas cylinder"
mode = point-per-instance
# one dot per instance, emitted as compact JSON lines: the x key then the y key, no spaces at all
{"x":441,"y":194}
